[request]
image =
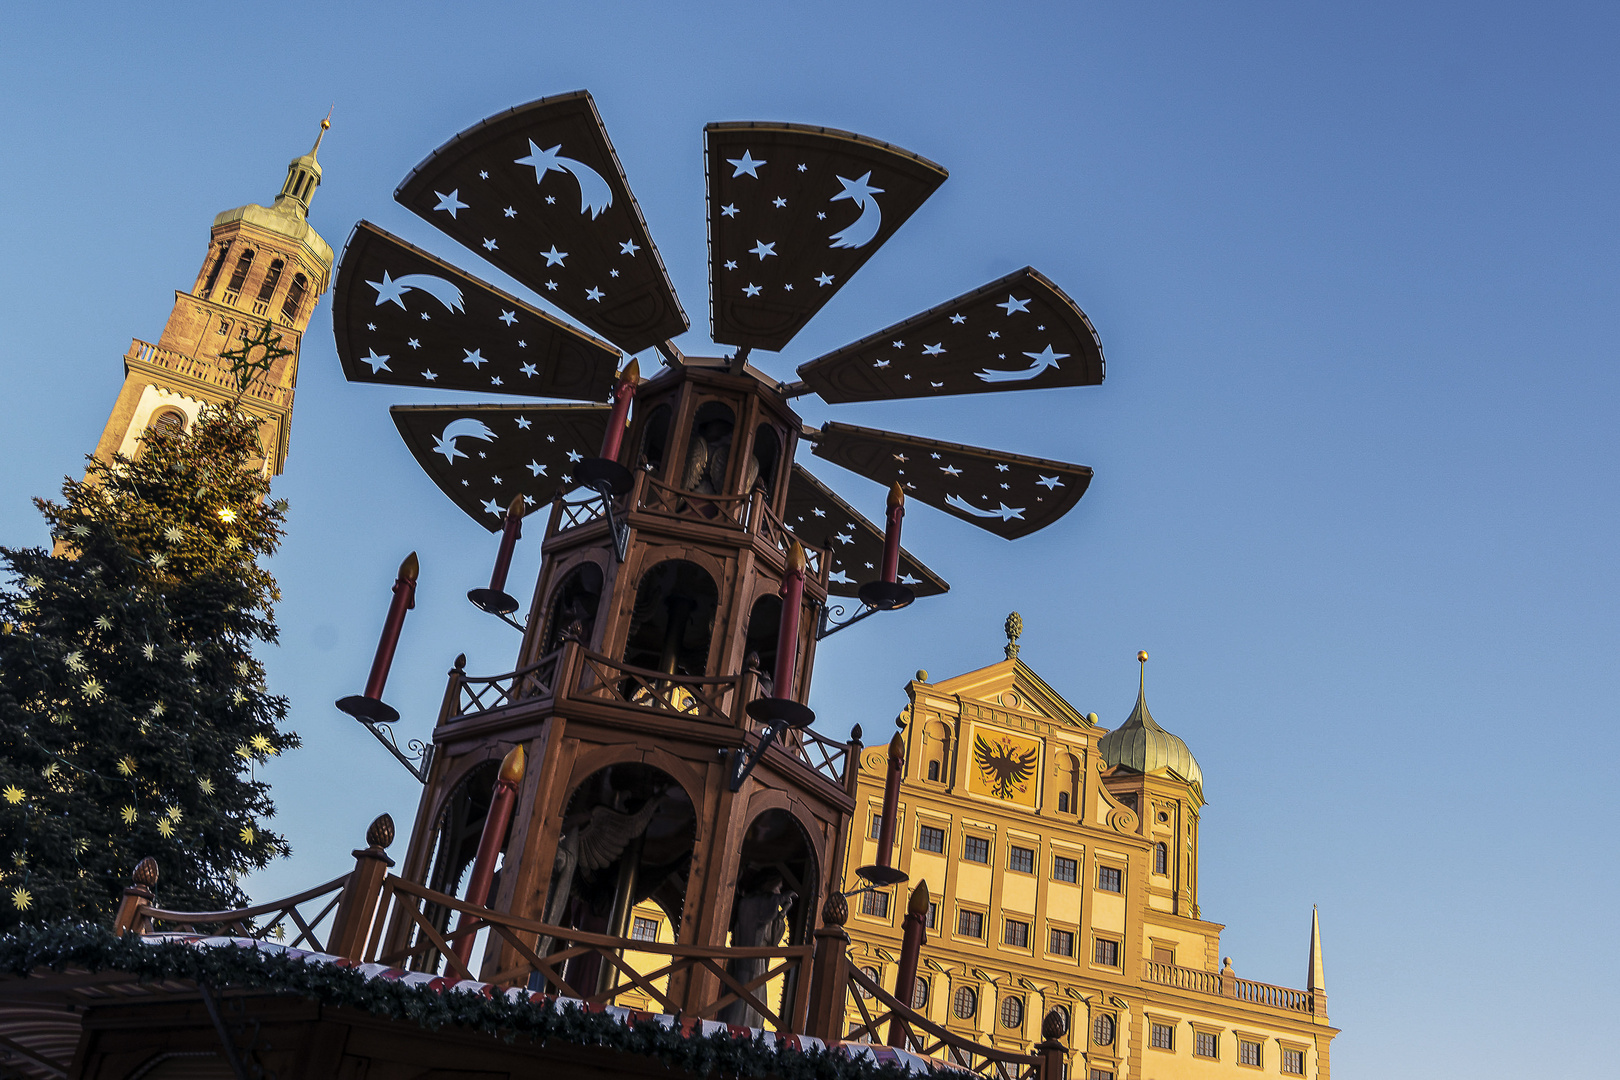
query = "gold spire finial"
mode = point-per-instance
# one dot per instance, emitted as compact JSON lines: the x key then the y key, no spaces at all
{"x":326,"y":123}
{"x":1014,"y":627}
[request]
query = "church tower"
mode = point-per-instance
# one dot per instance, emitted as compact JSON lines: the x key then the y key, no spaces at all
{"x":264,"y":271}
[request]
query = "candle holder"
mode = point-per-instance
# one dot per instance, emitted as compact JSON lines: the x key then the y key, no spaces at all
{"x":887,"y":595}
{"x":604,"y":476}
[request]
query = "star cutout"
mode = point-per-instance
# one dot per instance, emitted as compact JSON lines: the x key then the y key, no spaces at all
{"x":1001,"y":468}
{"x":731,"y":264}
{"x":728,"y":210}
{"x":537,"y":468}
{"x":857,"y":191}
{"x":483,"y":174}
{"x":779,"y":202}
{"x":429,"y":375}
{"x":575,"y":455}
{"x":994,"y":334}
{"x":492,"y":507}
{"x":845,"y":538}
{"x":762,"y":249}
{"x":594,"y":294}
{"x":426,"y":316}
{"x":788,"y":287}
{"x":935,"y":349}
{"x":818,"y":511}
{"x":628,"y":247}
{"x":414,"y":343}
{"x":475,"y":357}
{"x":897,"y":344}
{"x":551,"y":200}
{"x":824,"y":279}
{"x":900,"y":457}
{"x":523,"y":344}
{"x":378,"y":363}
{"x":508,"y":317}
{"x":821,"y":215}
{"x":489,"y":244}
{"x":554,"y":257}
{"x":880,"y":363}
{"x":1014,"y":304}
{"x":449,"y":202}
{"x":552,"y":285}
{"x":529,"y":370}
{"x":803,"y":166}
{"x":496,"y":480}
{"x":371,"y":326}
{"x":750,"y":289}
{"x":389,"y":291}
{"x":950,"y":470}
{"x":958,"y":319}
{"x":495,"y":380}
{"x":1050,"y":482}
{"x":746,"y":164}
{"x":510,"y":212}
{"x":523,"y":423}
{"x":613,"y":273}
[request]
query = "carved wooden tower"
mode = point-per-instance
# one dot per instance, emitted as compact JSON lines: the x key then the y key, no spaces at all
{"x":689,"y":559}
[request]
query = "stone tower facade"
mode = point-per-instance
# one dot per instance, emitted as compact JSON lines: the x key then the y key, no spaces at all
{"x":266,"y":266}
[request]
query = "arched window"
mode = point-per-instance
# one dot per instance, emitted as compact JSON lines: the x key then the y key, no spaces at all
{"x":762,"y":462}
{"x":1012,"y":1012}
{"x":655,"y":437}
{"x":1161,"y":858}
{"x":933,"y":771}
{"x":708,"y":451}
{"x":1063,"y":802}
{"x":1102,"y":1030}
{"x":673,"y":620}
{"x":167,"y":423}
{"x":213,"y":273}
{"x":295,"y":297}
{"x":272,"y":278}
{"x":919,"y":994}
{"x":936,"y":748}
{"x":965,"y":1003}
{"x":573,"y":607}
{"x":244,"y":263}
{"x":764,"y":623}
{"x":1068,"y":784}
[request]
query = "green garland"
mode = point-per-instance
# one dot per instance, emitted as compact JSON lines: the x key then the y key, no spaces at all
{"x":94,"y":948}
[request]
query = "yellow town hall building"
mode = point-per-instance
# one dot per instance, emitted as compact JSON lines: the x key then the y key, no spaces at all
{"x":1061,"y":864}
{"x":265,"y":269}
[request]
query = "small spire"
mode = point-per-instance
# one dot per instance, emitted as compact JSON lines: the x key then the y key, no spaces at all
{"x":1314,"y":980}
{"x":1014,"y":627}
{"x":325,"y":124}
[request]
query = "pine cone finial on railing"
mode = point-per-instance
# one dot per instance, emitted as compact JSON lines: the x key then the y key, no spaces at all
{"x":835,"y":912}
{"x":146,"y":873}
{"x":1055,"y":1026}
{"x":381,"y":831}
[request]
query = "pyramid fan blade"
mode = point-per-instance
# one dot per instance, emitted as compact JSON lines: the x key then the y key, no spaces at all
{"x":817,"y":516}
{"x":1018,"y":333}
{"x":483,"y":455}
{"x":402,"y":317}
{"x":538,"y":192}
{"x":1007,"y":494}
{"x":794,"y":211}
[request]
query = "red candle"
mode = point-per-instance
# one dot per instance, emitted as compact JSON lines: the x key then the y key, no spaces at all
{"x":511,"y":529}
{"x":620,"y":417}
{"x":891,"y":799}
{"x":787,"y":631}
{"x":891,"y":535}
{"x":914,"y":934}
{"x":489,"y":842}
{"x":404,"y":600}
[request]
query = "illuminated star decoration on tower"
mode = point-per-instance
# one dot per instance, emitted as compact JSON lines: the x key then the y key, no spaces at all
{"x":245,"y":366}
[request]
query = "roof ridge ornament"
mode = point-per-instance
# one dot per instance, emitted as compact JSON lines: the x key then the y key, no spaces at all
{"x":1014,"y":628}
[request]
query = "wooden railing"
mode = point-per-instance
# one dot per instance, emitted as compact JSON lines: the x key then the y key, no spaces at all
{"x":726,"y":510}
{"x":921,"y":1035}
{"x":572,"y":513}
{"x":696,"y":697}
{"x":774,"y":531}
{"x":543,"y":953}
{"x":274,"y":920}
{"x":1224,"y":984}
{"x":475,"y":695}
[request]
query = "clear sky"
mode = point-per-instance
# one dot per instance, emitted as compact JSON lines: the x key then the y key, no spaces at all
{"x":1355,"y":276}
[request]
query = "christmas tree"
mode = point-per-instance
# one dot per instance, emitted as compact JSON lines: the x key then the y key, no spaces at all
{"x":133,"y":713}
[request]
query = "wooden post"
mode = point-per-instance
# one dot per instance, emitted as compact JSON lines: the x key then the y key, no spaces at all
{"x":129,"y":918}
{"x":1053,"y":1055}
{"x":914,"y":932}
{"x":829,"y":974}
{"x":351,"y":926}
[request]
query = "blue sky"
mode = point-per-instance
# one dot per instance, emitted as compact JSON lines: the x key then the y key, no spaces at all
{"x":1354,"y":272}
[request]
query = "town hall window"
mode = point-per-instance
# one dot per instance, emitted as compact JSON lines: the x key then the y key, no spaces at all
{"x":1161,"y":858}
{"x":1065,"y":868}
{"x":976,"y":849}
{"x":930,"y":839}
{"x":1108,"y":878}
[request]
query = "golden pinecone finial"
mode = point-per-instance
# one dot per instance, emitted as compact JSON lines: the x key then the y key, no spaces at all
{"x":1014,"y":626}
